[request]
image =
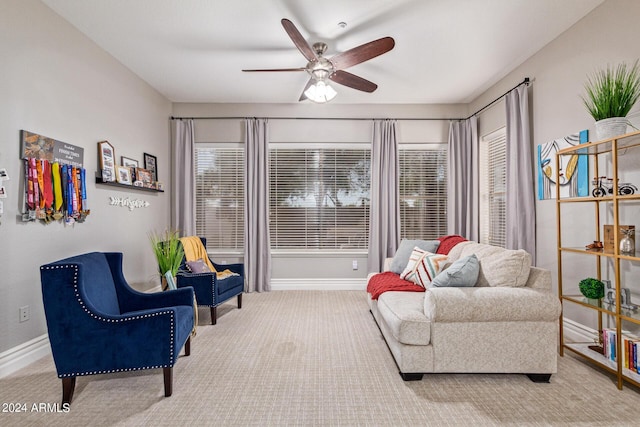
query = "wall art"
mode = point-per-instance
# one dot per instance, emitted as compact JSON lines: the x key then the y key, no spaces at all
{"x":574,"y":168}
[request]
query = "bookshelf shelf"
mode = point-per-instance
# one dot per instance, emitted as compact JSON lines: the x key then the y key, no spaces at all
{"x":604,"y":154}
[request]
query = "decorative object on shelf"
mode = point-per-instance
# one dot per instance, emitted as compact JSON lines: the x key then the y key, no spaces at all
{"x":603,"y":186}
{"x":628,"y":243}
{"x":144,"y":176}
{"x":128,"y":202}
{"x":124,"y":175}
{"x":107,"y":155}
{"x":574,"y":168}
{"x":595,"y":246}
{"x":131,"y":164}
{"x":150,"y":164}
{"x":169,"y":253}
{"x":625,"y":296}
{"x":610,"y":95}
{"x":609,"y":242}
{"x":591,"y":288}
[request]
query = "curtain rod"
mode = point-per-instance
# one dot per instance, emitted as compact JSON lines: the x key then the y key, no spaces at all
{"x":526,"y":81}
{"x":314,"y":118}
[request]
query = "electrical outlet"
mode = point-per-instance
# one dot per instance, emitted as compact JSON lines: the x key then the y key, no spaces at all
{"x":24,"y":313}
{"x":354,"y":264}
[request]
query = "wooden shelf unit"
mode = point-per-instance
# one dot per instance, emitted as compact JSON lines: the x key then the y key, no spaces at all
{"x":611,"y":147}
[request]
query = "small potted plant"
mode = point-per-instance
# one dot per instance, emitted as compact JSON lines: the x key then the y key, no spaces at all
{"x":592,"y":288}
{"x":610,"y":95}
{"x":169,"y":253}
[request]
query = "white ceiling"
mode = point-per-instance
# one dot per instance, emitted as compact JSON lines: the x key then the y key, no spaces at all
{"x":447,"y":51}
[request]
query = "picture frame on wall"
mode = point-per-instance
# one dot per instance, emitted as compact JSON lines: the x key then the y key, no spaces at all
{"x":107,"y":156}
{"x":150,"y":164}
{"x":124,"y":175}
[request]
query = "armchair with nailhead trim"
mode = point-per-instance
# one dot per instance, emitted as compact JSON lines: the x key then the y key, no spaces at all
{"x":98,"y":324}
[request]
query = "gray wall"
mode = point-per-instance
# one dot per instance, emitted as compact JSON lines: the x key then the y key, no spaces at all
{"x":313,"y":270}
{"x":608,"y":35}
{"x":56,"y":82}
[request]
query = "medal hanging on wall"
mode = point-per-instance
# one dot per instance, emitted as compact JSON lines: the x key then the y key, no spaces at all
{"x":54,"y":192}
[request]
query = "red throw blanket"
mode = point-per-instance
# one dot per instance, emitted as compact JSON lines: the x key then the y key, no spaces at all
{"x":389,"y":281}
{"x":448,"y":242}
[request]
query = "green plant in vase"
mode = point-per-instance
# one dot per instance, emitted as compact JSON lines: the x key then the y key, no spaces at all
{"x":610,"y":95}
{"x":169,"y":254}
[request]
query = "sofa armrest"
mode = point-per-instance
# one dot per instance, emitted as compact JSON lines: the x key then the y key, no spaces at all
{"x":488,"y":304}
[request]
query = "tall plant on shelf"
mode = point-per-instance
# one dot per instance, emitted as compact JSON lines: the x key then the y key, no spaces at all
{"x":610,"y":95}
{"x":169,"y":253}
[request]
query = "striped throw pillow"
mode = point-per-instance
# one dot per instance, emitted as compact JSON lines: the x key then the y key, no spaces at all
{"x":423,"y":266}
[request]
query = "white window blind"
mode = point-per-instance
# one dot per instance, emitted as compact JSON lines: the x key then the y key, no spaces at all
{"x":220,"y":197}
{"x":423,"y":191}
{"x":493,"y":165}
{"x":319,"y":198}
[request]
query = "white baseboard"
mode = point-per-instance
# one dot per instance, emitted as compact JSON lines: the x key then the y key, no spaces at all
{"x":577,"y":332}
{"x":319,"y":284}
{"x":24,"y":354}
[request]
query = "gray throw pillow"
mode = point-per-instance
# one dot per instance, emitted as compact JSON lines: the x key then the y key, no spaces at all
{"x":462,"y":273}
{"x":198,"y":266}
{"x":401,"y":258}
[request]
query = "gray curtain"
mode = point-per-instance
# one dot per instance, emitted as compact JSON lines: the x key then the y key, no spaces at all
{"x":384,"y":213}
{"x":521,"y":208}
{"x":257,"y":245}
{"x":462,"y":179}
{"x":183,"y":178}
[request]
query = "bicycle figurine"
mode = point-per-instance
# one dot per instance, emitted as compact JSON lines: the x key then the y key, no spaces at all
{"x":604,"y":186}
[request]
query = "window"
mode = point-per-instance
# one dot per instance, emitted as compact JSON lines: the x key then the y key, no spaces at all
{"x":220,"y":196}
{"x":319,"y":197}
{"x":493,"y":165}
{"x":423,"y":191}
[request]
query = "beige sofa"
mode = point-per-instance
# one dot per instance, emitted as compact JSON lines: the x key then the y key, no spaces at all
{"x":506,"y":323}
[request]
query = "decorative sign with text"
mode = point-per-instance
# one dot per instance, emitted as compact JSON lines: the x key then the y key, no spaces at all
{"x":35,"y":146}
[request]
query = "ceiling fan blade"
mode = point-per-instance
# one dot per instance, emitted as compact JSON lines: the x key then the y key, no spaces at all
{"x":302,"y":95}
{"x":353,"y":81}
{"x":274,"y":69}
{"x":298,"y":40}
{"x":362,"y":53}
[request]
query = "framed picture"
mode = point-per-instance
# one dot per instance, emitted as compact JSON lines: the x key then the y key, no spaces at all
{"x":143,"y":176}
{"x":124,"y":175}
{"x":130,"y":163}
{"x":150,"y":165}
{"x":107,"y":156}
{"x":4,"y":176}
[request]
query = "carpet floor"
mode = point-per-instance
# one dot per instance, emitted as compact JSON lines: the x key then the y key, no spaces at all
{"x":313,"y":358}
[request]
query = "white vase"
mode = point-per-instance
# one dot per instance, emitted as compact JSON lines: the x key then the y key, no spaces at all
{"x":608,"y":128}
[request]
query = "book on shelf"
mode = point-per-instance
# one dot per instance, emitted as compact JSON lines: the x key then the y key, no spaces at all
{"x":629,"y":348}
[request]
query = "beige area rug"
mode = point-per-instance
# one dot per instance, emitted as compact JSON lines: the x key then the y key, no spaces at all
{"x":314,"y":358}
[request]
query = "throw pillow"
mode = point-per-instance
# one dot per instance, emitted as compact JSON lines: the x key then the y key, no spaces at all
{"x":198,"y":266}
{"x":423,"y":266}
{"x":463,"y":273}
{"x":403,"y":253}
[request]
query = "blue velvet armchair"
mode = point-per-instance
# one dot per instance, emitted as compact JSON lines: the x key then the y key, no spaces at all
{"x":210,"y":290}
{"x":98,"y":324}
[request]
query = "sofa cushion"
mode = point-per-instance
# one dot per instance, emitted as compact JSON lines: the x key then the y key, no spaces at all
{"x":403,"y":312}
{"x":401,"y":258}
{"x":463,"y":272}
{"x":423,"y":266}
{"x":498,"y":266}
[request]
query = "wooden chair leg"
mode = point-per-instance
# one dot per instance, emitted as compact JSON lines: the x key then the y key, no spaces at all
{"x":187,"y":346}
{"x":168,"y":381}
{"x":68,"y":386}
{"x":214,"y":315}
{"x":240,"y":300}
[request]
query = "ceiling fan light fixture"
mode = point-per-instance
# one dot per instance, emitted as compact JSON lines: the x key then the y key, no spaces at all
{"x":320,"y":92}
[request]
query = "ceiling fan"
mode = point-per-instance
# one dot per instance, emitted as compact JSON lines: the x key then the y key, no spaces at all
{"x":320,"y":68}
